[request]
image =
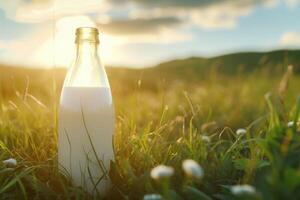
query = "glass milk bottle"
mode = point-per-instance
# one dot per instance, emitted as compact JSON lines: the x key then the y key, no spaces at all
{"x":86,"y":118}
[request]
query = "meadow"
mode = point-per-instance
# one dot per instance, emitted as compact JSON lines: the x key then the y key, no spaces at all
{"x":240,"y":127}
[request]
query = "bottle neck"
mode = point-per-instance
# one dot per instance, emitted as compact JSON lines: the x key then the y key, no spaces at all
{"x":86,"y":70}
{"x":86,"y":51}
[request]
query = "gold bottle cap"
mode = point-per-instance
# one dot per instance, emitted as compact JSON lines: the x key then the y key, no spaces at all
{"x":87,"y":34}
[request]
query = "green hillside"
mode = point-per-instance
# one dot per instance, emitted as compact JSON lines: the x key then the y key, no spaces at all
{"x":245,"y":62}
{"x":273,"y":62}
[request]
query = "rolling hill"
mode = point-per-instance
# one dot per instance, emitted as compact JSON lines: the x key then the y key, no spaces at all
{"x":273,"y":62}
{"x":193,"y":68}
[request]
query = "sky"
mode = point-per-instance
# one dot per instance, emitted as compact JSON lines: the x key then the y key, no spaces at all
{"x":142,"y":33}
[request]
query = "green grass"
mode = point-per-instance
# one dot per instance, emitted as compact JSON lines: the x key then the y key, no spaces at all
{"x":160,"y":121}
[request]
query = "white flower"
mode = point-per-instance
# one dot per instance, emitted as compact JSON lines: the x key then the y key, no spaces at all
{"x":241,"y":131}
{"x":290,"y":124}
{"x":161,"y":171}
{"x":152,"y":197}
{"x":192,"y":168}
{"x":205,"y":138}
{"x":11,"y":162}
{"x":242,"y":189}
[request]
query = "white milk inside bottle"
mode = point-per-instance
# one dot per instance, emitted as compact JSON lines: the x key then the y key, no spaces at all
{"x":86,"y":118}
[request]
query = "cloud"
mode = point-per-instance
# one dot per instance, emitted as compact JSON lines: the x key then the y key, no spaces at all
{"x":10,"y":7}
{"x":19,"y":51}
{"x":219,"y":16}
{"x":139,"y":25}
{"x":290,"y":39}
{"x":292,"y":3}
{"x":188,"y":3}
{"x":152,"y":30}
{"x":207,"y":14}
{"x":44,"y":10}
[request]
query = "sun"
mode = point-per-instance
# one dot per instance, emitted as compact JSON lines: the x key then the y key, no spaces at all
{"x":59,"y":49}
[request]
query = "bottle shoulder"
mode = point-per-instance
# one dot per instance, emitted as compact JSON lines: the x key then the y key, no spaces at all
{"x":88,"y":74}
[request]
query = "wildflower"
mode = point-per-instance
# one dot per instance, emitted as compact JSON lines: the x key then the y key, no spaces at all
{"x":205,"y":138}
{"x":161,"y":171}
{"x":192,"y":169}
{"x":152,"y":197}
{"x":290,"y":124}
{"x":241,"y":131}
{"x":11,"y":162}
{"x":243,"y":189}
